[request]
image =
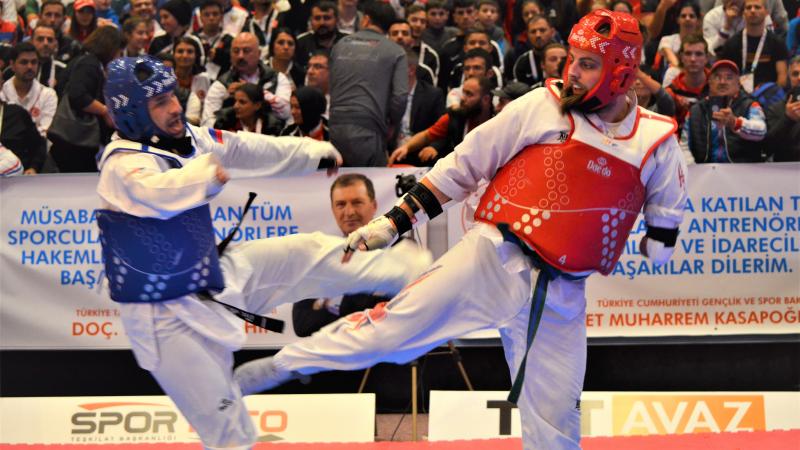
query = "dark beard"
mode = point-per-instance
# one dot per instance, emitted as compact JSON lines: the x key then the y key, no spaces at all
{"x":570,"y":100}
{"x":470,"y":112}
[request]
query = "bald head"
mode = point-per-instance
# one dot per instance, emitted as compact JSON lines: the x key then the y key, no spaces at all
{"x":245,"y":53}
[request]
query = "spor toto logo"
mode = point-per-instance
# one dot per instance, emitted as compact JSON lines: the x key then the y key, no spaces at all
{"x":123,"y":418}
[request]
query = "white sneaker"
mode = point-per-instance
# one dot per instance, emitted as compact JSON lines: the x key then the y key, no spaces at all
{"x":261,"y":375}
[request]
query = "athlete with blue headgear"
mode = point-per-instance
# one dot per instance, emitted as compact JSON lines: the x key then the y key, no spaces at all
{"x":177,"y":296}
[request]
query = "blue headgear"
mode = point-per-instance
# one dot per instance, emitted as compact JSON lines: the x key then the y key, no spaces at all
{"x":131,"y":82}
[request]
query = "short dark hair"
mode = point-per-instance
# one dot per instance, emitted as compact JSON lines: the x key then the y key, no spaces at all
{"x":693,"y":39}
{"x":476,"y":30}
{"x":414,"y":8}
{"x":488,"y":2}
{"x":463,"y":4}
{"x":320,"y":52}
{"x":553,"y":45}
{"x":53,"y":2}
{"x":436,"y":4}
{"x":41,"y":25}
{"x":326,"y":5}
{"x":22,"y":47}
{"x":537,"y":18}
{"x":624,"y":2}
{"x":380,"y":14}
{"x":479,"y":53}
{"x":350,"y":179}
{"x":209,"y":4}
{"x":104,"y":42}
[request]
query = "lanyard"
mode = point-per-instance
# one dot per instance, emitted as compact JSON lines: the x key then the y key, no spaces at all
{"x":758,"y":51}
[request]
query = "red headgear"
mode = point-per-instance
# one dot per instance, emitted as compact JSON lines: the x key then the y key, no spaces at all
{"x":621,"y":51}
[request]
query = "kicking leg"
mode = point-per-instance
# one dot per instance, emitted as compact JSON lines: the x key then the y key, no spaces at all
{"x":466,"y":290}
{"x":263,"y":274}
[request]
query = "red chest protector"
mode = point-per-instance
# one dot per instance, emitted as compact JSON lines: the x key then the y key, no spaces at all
{"x":575,"y":202}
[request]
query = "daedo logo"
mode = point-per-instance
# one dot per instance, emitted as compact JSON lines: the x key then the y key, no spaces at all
{"x":599,"y":167}
{"x":681,"y":414}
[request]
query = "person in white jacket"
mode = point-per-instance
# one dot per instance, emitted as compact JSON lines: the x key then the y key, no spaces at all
{"x":571,"y":166}
{"x":175,"y":292}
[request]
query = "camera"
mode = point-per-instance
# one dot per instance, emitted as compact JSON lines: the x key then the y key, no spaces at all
{"x":718,"y":102}
{"x":404,"y":184}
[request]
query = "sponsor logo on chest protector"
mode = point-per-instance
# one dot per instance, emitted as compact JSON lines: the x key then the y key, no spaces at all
{"x":599,"y":167}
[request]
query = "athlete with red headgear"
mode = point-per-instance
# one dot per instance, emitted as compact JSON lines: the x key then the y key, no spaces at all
{"x":570,"y":168}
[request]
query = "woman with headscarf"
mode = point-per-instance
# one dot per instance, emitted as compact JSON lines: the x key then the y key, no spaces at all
{"x":248,"y":113}
{"x":308,"y":106}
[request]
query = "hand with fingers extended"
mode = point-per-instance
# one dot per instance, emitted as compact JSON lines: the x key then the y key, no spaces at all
{"x":378,"y":233}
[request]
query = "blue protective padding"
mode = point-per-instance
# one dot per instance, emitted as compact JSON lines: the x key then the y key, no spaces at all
{"x":153,"y":260}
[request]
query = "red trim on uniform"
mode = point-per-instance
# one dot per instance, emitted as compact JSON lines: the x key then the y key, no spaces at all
{"x":661,"y":139}
{"x":621,"y":138}
{"x":550,"y":82}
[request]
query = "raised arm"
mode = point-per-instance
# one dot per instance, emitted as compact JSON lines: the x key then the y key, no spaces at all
{"x":249,"y":154}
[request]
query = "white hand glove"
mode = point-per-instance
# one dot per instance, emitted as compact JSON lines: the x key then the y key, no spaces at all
{"x":379,"y":233}
{"x":657,"y":252}
{"x":280,"y":106}
{"x":324,"y":149}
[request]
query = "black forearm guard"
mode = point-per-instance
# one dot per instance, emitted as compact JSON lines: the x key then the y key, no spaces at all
{"x":400,"y":219}
{"x":430,"y":204}
{"x":669,"y":236}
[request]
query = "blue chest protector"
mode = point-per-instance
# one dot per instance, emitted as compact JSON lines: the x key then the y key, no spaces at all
{"x":153,"y":260}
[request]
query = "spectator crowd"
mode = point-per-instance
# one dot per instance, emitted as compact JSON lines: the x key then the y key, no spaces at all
{"x":387,"y":82}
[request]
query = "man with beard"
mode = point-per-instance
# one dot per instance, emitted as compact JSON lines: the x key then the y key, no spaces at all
{"x":439,"y":140}
{"x":53,"y":14}
{"x":526,"y":67}
{"x":247,"y":68}
{"x":46,"y":43}
{"x":23,"y":89}
{"x":552,"y":63}
{"x":323,"y":34}
{"x":582,"y":147}
{"x":475,"y":39}
{"x":477,"y":63}
{"x":180,"y":296}
{"x":408,"y":36}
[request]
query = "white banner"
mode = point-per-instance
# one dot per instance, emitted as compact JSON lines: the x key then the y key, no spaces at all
{"x":155,"y":419}
{"x":735,"y":269}
{"x":52,"y":288}
{"x":485,"y":415}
